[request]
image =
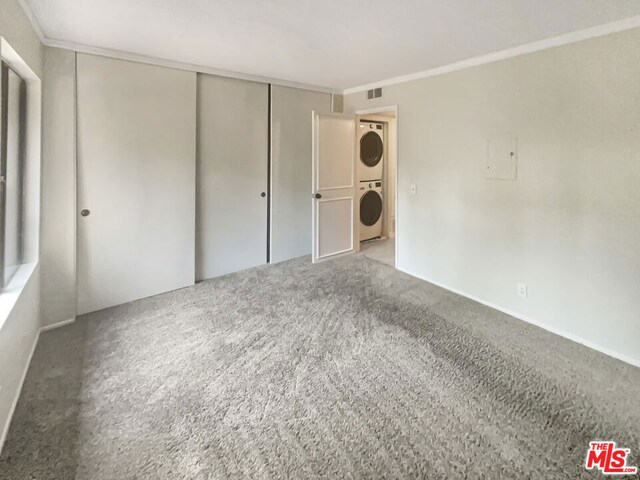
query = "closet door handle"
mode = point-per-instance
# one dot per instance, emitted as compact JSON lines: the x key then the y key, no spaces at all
{"x":317,"y":195}
{"x":263,"y":194}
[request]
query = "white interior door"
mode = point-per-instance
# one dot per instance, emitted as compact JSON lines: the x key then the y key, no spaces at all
{"x":233,"y":139}
{"x":334,"y":188}
{"x":291,"y":148}
{"x":136,"y":180}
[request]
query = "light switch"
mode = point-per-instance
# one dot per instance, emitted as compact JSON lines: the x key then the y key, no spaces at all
{"x":412,"y":188}
{"x":522,"y":290}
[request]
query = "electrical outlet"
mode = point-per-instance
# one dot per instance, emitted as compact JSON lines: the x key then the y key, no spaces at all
{"x":412,"y":188}
{"x":522,"y":290}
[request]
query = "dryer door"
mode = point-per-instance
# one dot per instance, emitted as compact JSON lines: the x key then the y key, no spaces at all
{"x":370,"y":208}
{"x":371,"y":149}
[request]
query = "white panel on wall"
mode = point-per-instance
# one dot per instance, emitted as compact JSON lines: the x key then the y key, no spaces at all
{"x":136,"y":180}
{"x":291,"y":169}
{"x":335,"y":156}
{"x":231,"y":175}
{"x":502,"y":156}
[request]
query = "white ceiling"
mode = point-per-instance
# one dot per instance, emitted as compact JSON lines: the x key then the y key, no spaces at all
{"x":331,"y":43}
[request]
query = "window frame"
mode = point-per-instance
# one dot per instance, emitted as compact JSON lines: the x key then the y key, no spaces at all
{"x":5,"y":71}
{"x":26,"y":276}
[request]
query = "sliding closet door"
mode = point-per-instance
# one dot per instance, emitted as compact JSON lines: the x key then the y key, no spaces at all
{"x":291,"y":169}
{"x":136,"y":180}
{"x":231,"y":231}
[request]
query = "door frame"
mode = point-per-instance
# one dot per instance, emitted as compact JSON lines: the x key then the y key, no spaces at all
{"x":389,"y":108}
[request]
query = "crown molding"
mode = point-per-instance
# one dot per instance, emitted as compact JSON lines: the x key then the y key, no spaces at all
{"x":135,"y":57}
{"x":140,"y":58}
{"x":565,"y":39}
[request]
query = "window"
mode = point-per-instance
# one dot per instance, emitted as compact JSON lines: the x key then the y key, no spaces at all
{"x":12,"y":160}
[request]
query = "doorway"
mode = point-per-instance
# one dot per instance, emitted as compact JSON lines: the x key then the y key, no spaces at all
{"x":354,"y":187}
{"x":377,"y":161}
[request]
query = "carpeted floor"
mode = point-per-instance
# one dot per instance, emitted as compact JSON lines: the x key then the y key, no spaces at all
{"x":346,"y":369}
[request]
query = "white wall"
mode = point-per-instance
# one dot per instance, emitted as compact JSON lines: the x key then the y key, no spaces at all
{"x":19,"y":331}
{"x":291,"y":169}
{"x":568,"y":227}
{"x":58,"y":245}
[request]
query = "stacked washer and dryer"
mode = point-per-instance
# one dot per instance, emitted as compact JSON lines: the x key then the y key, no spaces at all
{"x":370,"y":172}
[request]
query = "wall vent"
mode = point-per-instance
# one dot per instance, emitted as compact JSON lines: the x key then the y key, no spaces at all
{"x":374,"y":93}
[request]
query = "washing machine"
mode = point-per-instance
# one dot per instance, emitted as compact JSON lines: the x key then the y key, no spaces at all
{"x":370,"y":194}
{"x":371,"y":150}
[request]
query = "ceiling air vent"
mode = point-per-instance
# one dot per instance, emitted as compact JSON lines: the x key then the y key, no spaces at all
{"x":374,"y":93}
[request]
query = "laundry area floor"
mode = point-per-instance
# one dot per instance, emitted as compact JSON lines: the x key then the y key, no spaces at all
{"x":383,"y":250}
{"x":343,"y":369}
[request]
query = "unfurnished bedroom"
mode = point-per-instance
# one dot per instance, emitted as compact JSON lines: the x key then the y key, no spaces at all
{"x":319,"y":240}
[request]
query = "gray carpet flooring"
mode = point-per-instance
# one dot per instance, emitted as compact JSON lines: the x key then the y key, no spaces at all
{"x":346,"y":369}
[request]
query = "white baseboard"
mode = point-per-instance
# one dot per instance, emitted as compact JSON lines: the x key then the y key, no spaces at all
{"x":569,"y":336}
{"x":5,"y":429}
{"x":57,"y":325}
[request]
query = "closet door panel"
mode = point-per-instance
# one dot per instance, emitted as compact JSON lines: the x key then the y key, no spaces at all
{"x":136,"y":180}
{"x":231,"y":215}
